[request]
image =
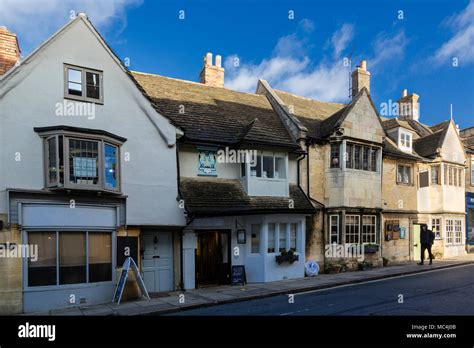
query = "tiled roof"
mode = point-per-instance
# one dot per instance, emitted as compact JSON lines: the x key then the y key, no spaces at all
{"x":219,"y":197}
{"x":427,"y":146}
{"x":391,"y":149}
{"x":215,"y":115}
{"x":395,"y":122}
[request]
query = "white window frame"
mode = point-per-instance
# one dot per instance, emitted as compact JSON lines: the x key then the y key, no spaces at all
{"x":357,"y":226}
{"x":437,"y":224}
{"x":84,"y":96}
{"x":274,"y":237}
{"x":291,"y":238}
{"x":285,"y":236}
{"x":458,"y":232}
{"x":374,"y":233}
{"x":275,"y":155}
{"x":449,"y":231}
{"x":405,"y":140}
{"x":331,"y":226}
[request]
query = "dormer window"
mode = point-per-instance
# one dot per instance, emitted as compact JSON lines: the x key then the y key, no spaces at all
{"x":83,"y":84}
{"x":77,"y":158}
{"x":405,"y":140}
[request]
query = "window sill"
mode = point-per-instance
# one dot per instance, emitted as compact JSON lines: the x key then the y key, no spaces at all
{"x":67,"y":286}
{"x":84,"y":100}
{"x":83,"y":189}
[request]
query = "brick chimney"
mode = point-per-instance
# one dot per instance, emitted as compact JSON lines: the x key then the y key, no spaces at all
{"x":360,"y":78}
{"x":9,"y":50}
{"x":212,"y":74}
{"x":408,"y":107}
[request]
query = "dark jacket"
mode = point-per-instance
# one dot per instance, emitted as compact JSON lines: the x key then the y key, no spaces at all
{"x":427,"y":237}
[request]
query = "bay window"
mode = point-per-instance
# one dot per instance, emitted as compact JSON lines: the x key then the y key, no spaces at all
{"x":353,"y":229}
{"x":360,"y":157}
{"x":269,"y":166}
{"x":77,"y":159}
{"x":271,"y":238}
{"x":369,"y":229}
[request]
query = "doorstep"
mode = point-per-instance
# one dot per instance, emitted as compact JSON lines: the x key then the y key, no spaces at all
{"x":212,"y":296}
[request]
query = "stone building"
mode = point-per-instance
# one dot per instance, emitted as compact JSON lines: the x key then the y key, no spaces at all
{"x":467,"y":136}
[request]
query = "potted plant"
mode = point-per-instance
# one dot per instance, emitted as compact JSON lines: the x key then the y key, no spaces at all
{"x":286,"y":256}
{"x":364,"y":265}
{"x":371,"y":248}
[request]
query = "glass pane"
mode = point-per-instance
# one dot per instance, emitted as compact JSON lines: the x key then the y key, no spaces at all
{"x":43,"y":270}
{"x":75,"y":88}
{"x":257,"y":169}
{"x":334,"y":230}
{"x":268,"y":167}
{"x":255,"y":239}
{"x":357,"y":157}
{"x":111,"y":161}
{"x":348,"y":155}
{"x":83,"y":162}
{"x":280,"y":170}
{"x":100,"y":257}
{"x":335,"y":155}
{"x":72,"y":257}
{"x":366,"y":159}
{"x":52,"y":165}
{"x":373,"y":160}
{"x":282,"y":237}
{"x":61,"y":159}
{"x":293,"y":237}
{"x":92,"y":79}
{"x":271,"y":238}
{"x":74,"y":75}
{"x":93,"y":92}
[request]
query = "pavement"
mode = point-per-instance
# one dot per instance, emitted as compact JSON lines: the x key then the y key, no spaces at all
{"x":174,"y":302}
{"x":441,"y":292}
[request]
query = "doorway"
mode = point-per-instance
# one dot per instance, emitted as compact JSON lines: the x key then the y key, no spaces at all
{"x":416,"y":243}
{"x":157,"y":261}
{"x":212,"y":258}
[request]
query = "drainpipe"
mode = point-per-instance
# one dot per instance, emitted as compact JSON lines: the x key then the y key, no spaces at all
{"x":181,"y":258}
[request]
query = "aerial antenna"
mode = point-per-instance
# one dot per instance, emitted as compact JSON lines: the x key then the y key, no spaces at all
{"x":350,"y":71}
{"x":451,"y":111}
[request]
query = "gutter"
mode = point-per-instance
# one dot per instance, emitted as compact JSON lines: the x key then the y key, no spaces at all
{"x":181,"y":258}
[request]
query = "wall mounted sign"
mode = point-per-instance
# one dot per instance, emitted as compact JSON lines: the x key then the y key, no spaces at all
{"x":241,"y":236}
{"x":207,"y":162}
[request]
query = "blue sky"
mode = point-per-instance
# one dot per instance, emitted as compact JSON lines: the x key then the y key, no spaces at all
{"x":416,"y":49}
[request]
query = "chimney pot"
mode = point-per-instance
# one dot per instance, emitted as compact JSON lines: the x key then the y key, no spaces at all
{"x":404,"y":92}
{"x":208,"y":59}
{"x":218,"y":61}
{"x":363,"y":65}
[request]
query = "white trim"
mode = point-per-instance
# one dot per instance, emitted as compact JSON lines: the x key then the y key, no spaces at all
{"x":330,"y":228}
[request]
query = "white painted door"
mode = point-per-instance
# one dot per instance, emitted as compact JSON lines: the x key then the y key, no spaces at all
{"x":157,"y":261}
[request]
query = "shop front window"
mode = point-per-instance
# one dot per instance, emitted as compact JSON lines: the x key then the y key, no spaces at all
{"x":67,"y":257}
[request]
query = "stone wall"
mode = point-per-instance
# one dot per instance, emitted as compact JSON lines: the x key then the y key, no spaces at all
{"x":11,"y":276}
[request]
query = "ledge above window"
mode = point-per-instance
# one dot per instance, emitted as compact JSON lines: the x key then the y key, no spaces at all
{"x":81,"y":158}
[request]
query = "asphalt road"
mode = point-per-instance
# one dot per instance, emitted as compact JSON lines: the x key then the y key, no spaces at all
{"x":442,"y":292}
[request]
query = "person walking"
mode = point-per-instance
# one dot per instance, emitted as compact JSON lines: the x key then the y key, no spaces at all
{"x":426,"y":239}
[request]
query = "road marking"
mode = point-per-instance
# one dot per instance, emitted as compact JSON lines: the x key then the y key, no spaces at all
{"x":380,"y":280}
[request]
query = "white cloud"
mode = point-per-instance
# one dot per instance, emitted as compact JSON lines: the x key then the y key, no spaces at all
{"x":461,"y":45}
{"x":341,"y":38}
{"x":388,"y":49}
{"x":34,"y":21}
{"x":290,"y":68}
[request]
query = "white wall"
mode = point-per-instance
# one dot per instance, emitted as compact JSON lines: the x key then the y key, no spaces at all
{"x":29,"y":100}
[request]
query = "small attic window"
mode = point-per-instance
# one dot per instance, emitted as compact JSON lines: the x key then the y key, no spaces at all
{"x":405,"y":140}
{"x":83,"y":84}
